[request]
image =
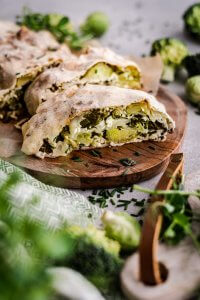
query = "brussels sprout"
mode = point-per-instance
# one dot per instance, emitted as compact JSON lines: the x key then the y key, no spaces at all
{"x":123,"y":228}
{"x":100,"y":71}
{"x":192,"y":64}
{"x":96,"y":24}
{"x":134,"y":108}
{"x":59,"y":25}
{"x":193,"y":89}
{"x":55,"y":19}
{"x":120,"y":135}
{"x":57,"y":22}
{"x":117,"y":112}
{"x":128,"y":77}
{"x":191,"y":18}
{"x":84,"y":138}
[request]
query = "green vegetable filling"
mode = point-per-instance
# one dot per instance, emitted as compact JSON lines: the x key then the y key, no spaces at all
{"x":91,"y":119}
{"x":108,"y":126}
{"x":128,"y":77}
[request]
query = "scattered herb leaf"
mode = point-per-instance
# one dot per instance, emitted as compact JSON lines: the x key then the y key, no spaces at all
{"x":152,"y":147}
{"x":136,"y":153}
{"x":114,"y":150}
{"x":140,"y":213}
{"x":125,"y":172}
{"x":127,"y":162}
{"x":112,"y":202}
{"x":95,"y":153}
{"x":76,"y":159}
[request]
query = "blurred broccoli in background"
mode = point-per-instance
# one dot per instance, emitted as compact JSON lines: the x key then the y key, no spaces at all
{"x":192,"y":64}
{"x":60,"y":26}
{"x":26,"y":249}
{"x":95,"y":256}
{"x":123,"y":228}
{"x":172,"y":52}
{"x":191,"y":19}
{"x":193,"y":90}
{"x":96,"y":24}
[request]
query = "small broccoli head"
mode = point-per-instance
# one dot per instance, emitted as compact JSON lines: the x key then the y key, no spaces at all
{"x":172,"y":52}
{"x":192,"y":64}
{"x":94,"y":255}
{"x":97,"y":237}
{"x":191,"y":19}
{"x":96,"y":24}
{"x":123,"y":228}
{"x":193,"y":89}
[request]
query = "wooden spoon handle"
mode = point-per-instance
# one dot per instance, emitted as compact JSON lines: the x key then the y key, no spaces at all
{"x":150,"y":271}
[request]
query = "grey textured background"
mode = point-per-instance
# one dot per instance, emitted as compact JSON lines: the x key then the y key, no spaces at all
{"x":134,"y":26}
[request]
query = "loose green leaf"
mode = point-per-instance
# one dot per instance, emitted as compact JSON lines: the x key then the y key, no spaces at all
{"x":177,"y":214}
{"x":95,"y":153}
{"x":127,"y":162}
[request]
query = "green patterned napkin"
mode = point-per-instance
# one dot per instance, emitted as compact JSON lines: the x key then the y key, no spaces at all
{"x":54,"y":206}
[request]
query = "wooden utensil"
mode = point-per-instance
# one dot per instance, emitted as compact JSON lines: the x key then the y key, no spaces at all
{"x":180,"y":266}
{"x":151,"y":272}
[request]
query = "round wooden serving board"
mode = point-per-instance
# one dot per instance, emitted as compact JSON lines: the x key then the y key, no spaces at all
{"x":105,"y":171}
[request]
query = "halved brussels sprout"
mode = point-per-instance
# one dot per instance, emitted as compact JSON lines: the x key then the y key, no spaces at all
{"x":100,"y":72}
{"x":123,"y":228}
{"x":84,"y":138}
{"x":122,"y":77}
{"x":121,"y":135}
{"x":136,"y":108}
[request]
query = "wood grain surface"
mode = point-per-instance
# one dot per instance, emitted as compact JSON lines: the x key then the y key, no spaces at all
{"x":106,"y":170}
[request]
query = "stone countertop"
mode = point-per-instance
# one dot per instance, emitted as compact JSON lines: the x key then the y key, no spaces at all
{"x":134,"y":26}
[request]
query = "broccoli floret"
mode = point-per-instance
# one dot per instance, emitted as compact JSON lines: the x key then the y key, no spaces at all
{"x":95,"y":256}
{"x":193,"y":89}
{"x":191,"y":19}
{"x":96,"y":24}
{"x":172,"y":52}
{"x":192,"y":64}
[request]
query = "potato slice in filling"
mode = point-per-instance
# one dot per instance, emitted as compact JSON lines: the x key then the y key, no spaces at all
{"x":127,"y":77}
{"x":109,"y":126}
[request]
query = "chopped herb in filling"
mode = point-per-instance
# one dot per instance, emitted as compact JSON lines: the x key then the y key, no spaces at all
{"x":91,"y":119}
{"x":60,"y":137}
{"x":109,"y":126}
{"x":46,"y":147}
